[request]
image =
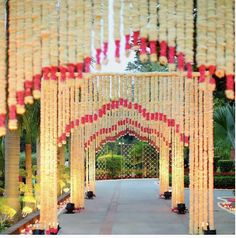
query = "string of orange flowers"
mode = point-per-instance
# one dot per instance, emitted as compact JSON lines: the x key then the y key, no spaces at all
{"x":3,"y":98}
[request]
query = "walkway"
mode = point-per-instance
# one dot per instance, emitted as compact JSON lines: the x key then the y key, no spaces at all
{"x":134,"y":207}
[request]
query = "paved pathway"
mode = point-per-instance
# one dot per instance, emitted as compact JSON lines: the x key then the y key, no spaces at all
{"x":134,"y":207}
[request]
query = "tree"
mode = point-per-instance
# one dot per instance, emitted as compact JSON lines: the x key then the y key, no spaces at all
{"x":224,"y":127}
{"x":136,"y":152}
{"x":29,"y":124}
{"x":1,"y":162}
{"x":12,"y":155}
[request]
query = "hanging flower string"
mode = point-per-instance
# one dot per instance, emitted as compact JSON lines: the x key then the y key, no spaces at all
{"x":105,"y":31}
{"x":3,"y":98}
{"x":87,"y":34}
{"x":152,"y":30}
{"x":127,"y":25}
{"x":97,"y":31}
{"x":143,"y":30}
{"x":117,"y":16}
{"x":135,"y":23}
{"x":211,"y":40}
{"x":229,"y":57}
{"x":202,"y":42}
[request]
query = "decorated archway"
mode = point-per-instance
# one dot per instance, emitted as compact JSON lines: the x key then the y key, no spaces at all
{"x":50,"y":53}
{"x":164,"y":119}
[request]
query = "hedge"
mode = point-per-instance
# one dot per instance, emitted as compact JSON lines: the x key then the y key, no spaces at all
{"x":219,"y":181}
{"x":225,"y":165}
{"x":224,"y":181}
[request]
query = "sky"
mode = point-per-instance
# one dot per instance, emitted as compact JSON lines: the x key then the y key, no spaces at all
{"x":112,"y":66}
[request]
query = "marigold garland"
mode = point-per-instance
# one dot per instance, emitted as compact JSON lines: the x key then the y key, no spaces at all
{"x":28,"y":49}
{"x":202,"y":41}
{"x":135,"y":23}
{"x":163,"y":31}
{"x":171,"y":24}
{"x":41,"y":44}
{"x":87,"y":34}
{"x":20,"y":55}
{"x":127,"y":25}
{"x":36,"y":44}
{"x":152,"y":30}
{"x":143,"y":30}
{"x":220,"y":38}
{"x":12,"y":123}
{"x":229,"y":51}
{"x":2,"y":69}
{"x":97,"y":31}
{"x":80,"y":37}
{"x":117,"y":16}
{"x":105,"y":31}
{"x":189,"y":40}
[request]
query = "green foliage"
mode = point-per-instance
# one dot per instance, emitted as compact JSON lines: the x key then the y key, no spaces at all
{"x":101,"y":172}
{"x":224,"y":126}
{"x":1,"y":190}
{"x":138,"y":66}
{"x":224,"y":181}
{"x":113,"y":163}
{"x":6,"y":213}
{"x":216,"y":159}
{"x":219,"y":181}
{"x":220,"y":101}
{"x":29,"y":199}
{"x":1,"y":184}
{"x":22,"y":172}
{"x":22,"y":159}
{"x":131,"y":161}
{"x":65,"y":177}
{"x":136,"y":151}
{"x":29,"y":122}
{"x":23,"y":188}
{"x":226,"y":165}
{"x":139,"y":172}
{"x":26,"y":210}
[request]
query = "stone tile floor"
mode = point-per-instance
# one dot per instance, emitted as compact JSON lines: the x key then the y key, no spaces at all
{"x":134,"y":207}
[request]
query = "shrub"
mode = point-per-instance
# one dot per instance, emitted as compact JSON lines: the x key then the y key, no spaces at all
{"x":224,"y":181}
{"x":113,"y":164}
{"x":139,"y":173}
{"x":186,"y":181}
{"x":226,"y":165}
{"x":216,"y":160}
{"x":6,"y":213}
{"x":219,"y":181}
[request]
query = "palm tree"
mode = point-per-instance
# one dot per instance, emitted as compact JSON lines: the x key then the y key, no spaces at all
{"x":12,"y":155}
{"x":1,"y":160}
{"x":29,"y":125}
{"x":224,"y":127}
{"x":60,"y":167}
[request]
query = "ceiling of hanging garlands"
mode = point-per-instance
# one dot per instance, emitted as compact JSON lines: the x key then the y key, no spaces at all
{"x":60,"y":39}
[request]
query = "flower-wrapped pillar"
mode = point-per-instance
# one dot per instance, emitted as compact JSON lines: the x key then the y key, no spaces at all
{"x":48,"y":152}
